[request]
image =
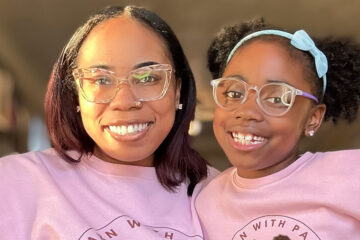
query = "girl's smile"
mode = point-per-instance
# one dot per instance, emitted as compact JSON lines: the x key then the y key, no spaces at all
{"x":247,"y":141}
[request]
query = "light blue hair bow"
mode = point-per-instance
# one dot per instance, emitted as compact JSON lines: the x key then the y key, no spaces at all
{"x":302,"y":41}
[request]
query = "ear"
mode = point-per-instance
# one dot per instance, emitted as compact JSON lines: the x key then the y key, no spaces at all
{"x":315,"y":119}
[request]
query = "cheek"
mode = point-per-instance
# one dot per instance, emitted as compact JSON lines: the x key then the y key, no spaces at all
{"x":90,"y":113}
{"x":293,"y":123}
{"x":219,"y":123}
{"x":166,"y":108}
{"x":286,"y":132}
{"x":164,"y":113}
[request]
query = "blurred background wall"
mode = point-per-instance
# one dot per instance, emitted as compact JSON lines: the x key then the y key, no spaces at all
{"x":32,"y":34}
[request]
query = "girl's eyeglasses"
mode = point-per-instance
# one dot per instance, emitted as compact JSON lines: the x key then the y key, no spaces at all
{"x":275,"y":99}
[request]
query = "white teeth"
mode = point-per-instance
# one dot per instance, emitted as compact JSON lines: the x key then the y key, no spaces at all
{"x":128,"y":129}
{"x":123,"y":130}
{"x":247,"y":139}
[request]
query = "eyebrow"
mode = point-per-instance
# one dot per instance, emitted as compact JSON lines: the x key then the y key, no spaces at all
{"x":238,"y":76}
{"x":144,"y":64}
{"x":102,"y":66}
{"x":280,"y":81}
{"x":109,"y":67}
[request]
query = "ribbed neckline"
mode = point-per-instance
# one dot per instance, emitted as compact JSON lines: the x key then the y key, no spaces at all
{"x":253,"y":183}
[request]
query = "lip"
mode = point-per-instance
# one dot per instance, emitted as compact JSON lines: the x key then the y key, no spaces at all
{"x":246,"y":147}
{"x":128,"y":137}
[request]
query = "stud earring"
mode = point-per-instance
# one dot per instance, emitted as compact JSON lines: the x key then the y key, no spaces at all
{"x":179,"y":106}
{"x":78,"y":109}
{"x":137,"y":103}
{"x":311,"y":133}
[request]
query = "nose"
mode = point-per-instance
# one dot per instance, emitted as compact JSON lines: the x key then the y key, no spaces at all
{"x":124,"y":99}
{"x":249,"y":110}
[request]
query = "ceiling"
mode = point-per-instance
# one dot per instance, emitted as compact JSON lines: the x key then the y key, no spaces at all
{"x":32,"y":34}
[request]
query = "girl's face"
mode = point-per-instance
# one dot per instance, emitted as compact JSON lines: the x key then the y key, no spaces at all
{"x":123,"y":131}
{"x":270,"y":142}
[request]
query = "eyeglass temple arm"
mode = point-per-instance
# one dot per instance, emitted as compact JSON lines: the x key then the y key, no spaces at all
{"x":307,"y":95}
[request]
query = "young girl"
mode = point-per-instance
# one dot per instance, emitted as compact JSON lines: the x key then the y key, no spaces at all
{"x":118,"y":109}
{"x":275,"y":87}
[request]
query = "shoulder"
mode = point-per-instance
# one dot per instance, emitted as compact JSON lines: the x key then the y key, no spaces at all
{"x":36,"y":156}
{"x":211,"y":174}
{"x":218,"y":182}
{"x":209,"y":195}
{"x":222,"y":178}
{"x":346,"y":156}
{"x":29,"y":163}
{"x":344,"y":163}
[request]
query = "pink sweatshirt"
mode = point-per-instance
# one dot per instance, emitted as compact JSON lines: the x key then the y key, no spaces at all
{"x":42,"y":197}
{"x":316,"y":197}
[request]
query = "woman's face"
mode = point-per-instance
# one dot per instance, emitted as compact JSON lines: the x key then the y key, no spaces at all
{"x":121,"y":45}
{"x":270,"y":142}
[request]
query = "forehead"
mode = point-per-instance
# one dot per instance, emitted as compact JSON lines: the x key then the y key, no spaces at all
{"x":260,"y":61}
{"x":122,"y":42}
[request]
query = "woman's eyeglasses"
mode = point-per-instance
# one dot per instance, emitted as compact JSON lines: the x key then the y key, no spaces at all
{"x":101,"y":86}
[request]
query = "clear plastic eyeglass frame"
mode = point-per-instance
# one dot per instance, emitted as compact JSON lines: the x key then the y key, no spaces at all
{"x":79,"y":75}
{"x":292,"y":90}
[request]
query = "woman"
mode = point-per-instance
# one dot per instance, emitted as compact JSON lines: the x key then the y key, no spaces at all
{"x":118,"y":107}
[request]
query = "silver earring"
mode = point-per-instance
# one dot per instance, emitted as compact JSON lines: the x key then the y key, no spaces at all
{"x":179,"y":106}
{"x":137,"y":103}
{"x":311,"y":133}
{"x":78,"y":109}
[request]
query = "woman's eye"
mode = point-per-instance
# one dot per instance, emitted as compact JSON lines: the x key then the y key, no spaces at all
{"x":103,"y":80}
{"x":145,"y":78}
{"x":233,"y":94}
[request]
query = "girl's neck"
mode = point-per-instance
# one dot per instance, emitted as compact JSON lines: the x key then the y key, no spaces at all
{"x":287,"y":161}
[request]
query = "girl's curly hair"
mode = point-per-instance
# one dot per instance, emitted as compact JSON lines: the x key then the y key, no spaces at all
{"x":342,"y":96}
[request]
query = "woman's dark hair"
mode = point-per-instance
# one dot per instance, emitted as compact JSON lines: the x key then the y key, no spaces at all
{"x":175,"y":161}
{"x":342,"y":95}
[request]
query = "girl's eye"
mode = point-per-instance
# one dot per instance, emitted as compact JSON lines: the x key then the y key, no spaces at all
{"x":233,"y":94}
{"x":274,"y":100}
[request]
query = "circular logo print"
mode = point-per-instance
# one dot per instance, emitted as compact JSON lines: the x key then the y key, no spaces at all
{"x":275,"y":227}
